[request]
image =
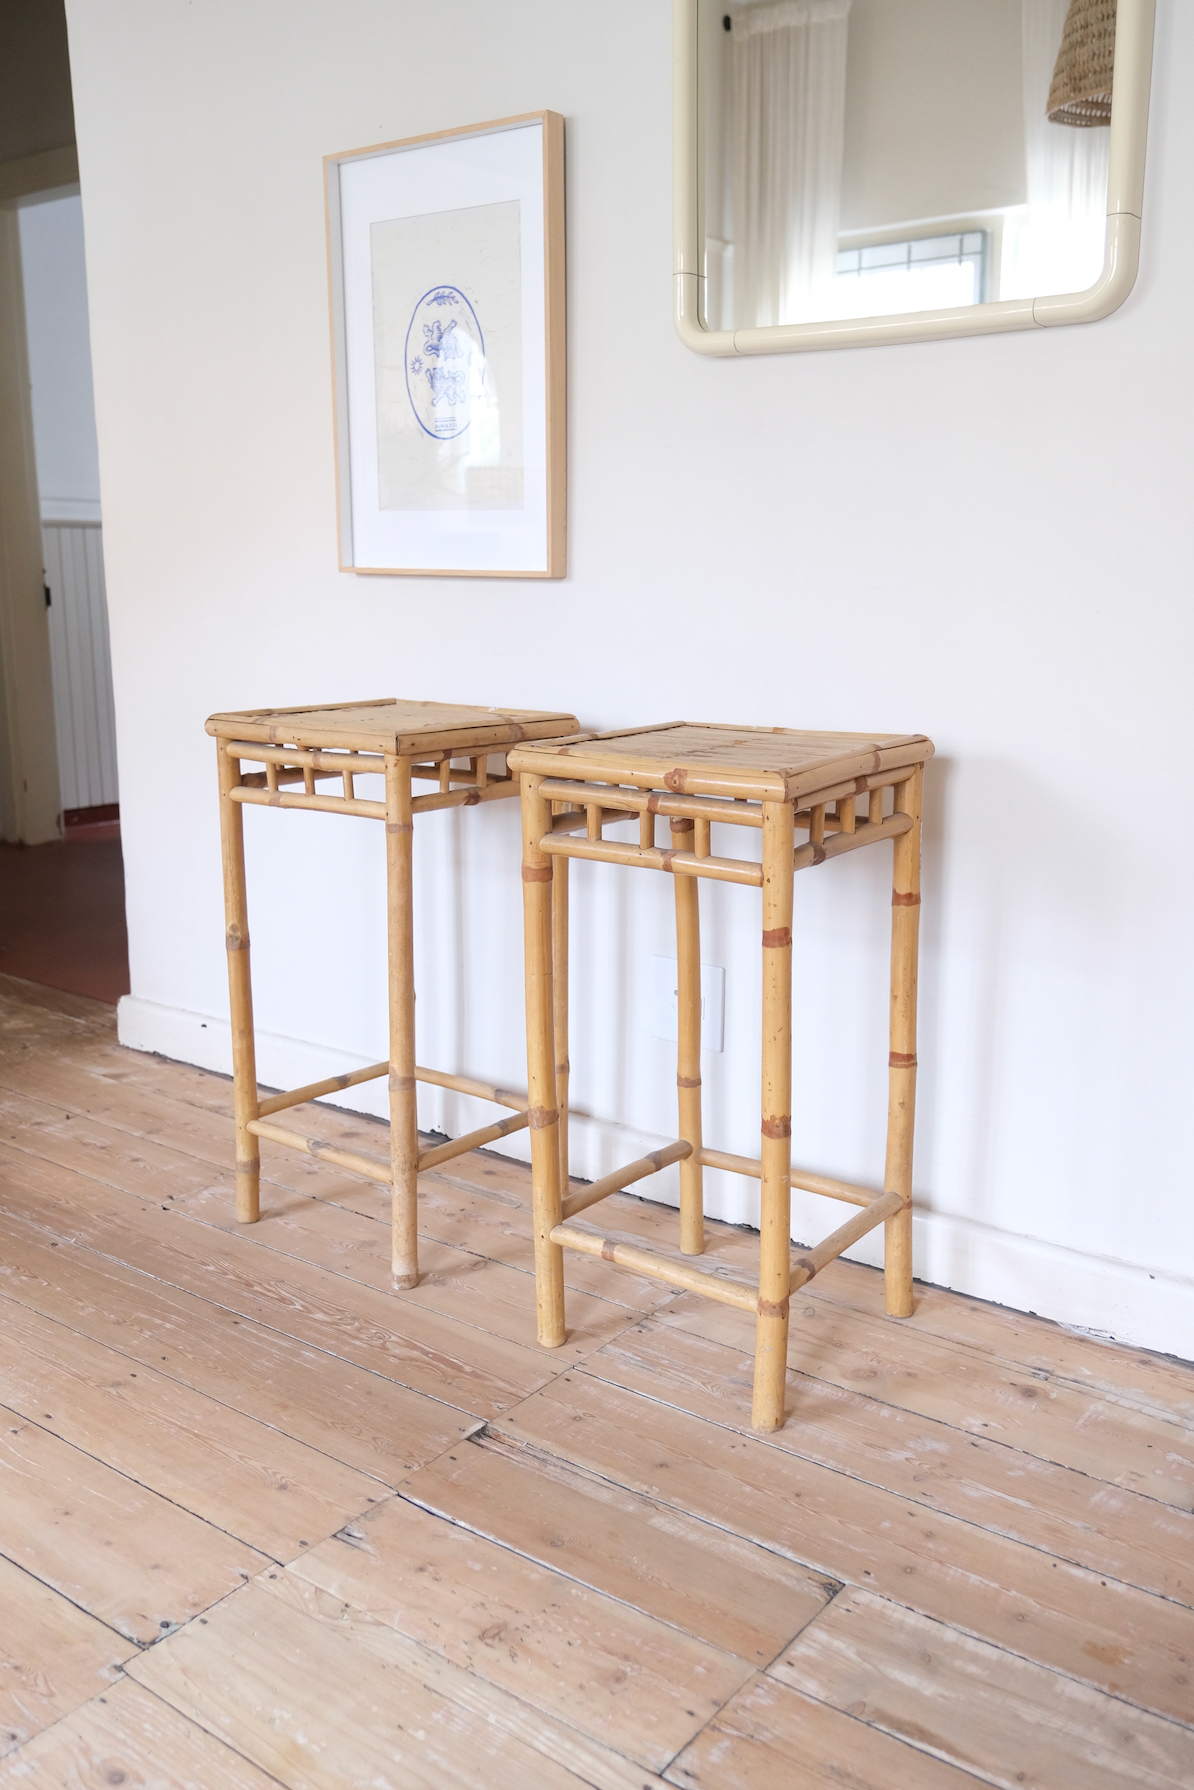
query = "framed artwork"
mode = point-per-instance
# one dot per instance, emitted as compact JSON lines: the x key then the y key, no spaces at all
{"x":446,"y":267}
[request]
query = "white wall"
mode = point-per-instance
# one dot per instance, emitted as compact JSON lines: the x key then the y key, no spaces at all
{"x":934,"y":110}
{"x":55,"y":280}
{"x":985,"y":539}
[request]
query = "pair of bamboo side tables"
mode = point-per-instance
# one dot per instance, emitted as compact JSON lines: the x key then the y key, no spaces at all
{"x":844,"y":791}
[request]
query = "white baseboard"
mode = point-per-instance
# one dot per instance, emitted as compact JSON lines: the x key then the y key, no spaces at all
{"x":1122,"y":1300}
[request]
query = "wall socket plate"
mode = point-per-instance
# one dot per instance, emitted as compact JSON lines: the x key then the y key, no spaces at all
{"x":663,"y":1004}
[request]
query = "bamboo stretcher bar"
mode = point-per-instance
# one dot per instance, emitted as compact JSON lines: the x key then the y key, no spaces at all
{"x":811,"y":1261}
{"x":680,"y":863}
{"x":465,"y":795}
{"x":816,"y":851}
{"x":279,"y":1102}
{"x":799,"y":1177}
{"x":288,"y":774}
{"x":360,"y":762}
{"x":267,"y":798}
{"x":472,"y":1140}
{"x":372,"y":1167}
{"x":857,"y":786}
{"x":735,"y":813}
{"x":480,"y":1090}
{"x":625,"y":1177}
{"x":657,"y":1267}
{"x":715,"y":781}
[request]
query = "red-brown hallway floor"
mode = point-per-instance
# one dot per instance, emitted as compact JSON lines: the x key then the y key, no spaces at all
{"x":62,"y":913}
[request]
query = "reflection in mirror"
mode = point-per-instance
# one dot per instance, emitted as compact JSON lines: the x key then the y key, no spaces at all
{"x":868,"y":158}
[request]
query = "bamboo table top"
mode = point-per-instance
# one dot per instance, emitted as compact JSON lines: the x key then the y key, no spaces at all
{"x":388,"y":724}
{"x":763,"y":763}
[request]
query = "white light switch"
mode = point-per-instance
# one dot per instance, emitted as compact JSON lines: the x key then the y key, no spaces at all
{"x":663,"y":1003}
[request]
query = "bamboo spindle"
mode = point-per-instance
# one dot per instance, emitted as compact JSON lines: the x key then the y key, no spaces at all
{"x":775,"y":1197}
{"x":688,"y":1045}
{"x":874,"y":811}
{"x":559,"y":1003}
{"x":546,"y":1192}
{"x":404,"y":1124}
{"x":240,"y":994}
{"x":901,"y":1099}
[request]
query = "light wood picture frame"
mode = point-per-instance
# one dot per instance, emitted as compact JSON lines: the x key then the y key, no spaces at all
{"x":447,"y":298}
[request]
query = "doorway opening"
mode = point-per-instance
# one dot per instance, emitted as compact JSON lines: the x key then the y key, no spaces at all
{"x":61,"y":873}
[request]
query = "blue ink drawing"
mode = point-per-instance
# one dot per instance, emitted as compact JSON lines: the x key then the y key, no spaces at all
{"x":440,"y":376}
{"x":440,"y":339}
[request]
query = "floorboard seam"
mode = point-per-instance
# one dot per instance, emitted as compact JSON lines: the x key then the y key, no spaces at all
{"x":907,"y":1411}
{"x":6,"y":1297}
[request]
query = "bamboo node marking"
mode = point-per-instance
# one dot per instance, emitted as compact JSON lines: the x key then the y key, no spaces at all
{"x":806,"y":1262}
{"x":899,"y":1059}
{"x":252,"y":1167}
{"x":401,"y":1084}
{"x":536,"y":873}
{"x":899,"y":899}
{"x":563,"y":1068}
{"x":653,"y":802}
{"x":688,"y":1081}
{"x":234,"y":942}
{"x":471,"y":799}
{"x":860,"y":785}
{"x":542,"y":1117}
{"x":676,"y":780}
{"x":682,"y":824}
{"x":777,"y":938}
{"x":608,"y":1250}
{"x":665,"y":861}
{"x":772,"y":1308}
{"x":818,"y":853}
{"x":781,"y":1127}
{"x":400,"y":826}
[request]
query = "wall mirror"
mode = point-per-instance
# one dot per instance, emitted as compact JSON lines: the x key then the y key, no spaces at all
{"x":852,"y":172}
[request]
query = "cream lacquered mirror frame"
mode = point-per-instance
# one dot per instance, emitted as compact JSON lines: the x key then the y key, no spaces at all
{"x":1129,"y":129}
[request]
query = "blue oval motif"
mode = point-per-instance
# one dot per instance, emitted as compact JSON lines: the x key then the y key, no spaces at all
{"x":445,"y":362}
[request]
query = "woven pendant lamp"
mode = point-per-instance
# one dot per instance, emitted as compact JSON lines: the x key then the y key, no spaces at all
{"x":1081,"y":90}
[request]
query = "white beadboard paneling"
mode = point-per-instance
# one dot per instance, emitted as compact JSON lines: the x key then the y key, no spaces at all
{"x":82,"y":664}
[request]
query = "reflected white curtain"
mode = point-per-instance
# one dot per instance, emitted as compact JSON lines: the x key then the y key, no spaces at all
{"x":1056,"y":243}
{"x":788,"y":98}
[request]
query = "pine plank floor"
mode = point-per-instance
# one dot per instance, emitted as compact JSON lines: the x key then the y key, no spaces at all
{"x":265,"y":1522}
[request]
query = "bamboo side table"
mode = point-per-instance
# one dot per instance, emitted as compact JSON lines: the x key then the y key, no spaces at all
{"x":402,"y":742}
{"x":774,"y":780}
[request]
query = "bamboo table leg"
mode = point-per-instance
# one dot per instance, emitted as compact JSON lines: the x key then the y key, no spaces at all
{"x":559,"y":984}
{"x":404,"y":1124}
{"x":775,"y":1199}
{"x":901,"y":1100}
{"x":541,"y":1081}
{"x":240,"y":992}
{"x":688,"y":1046}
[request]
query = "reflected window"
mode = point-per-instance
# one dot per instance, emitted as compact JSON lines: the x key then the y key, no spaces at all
{"x":918,"y":275}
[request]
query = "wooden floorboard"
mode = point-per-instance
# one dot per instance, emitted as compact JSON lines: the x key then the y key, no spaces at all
{"x":53,"y":1656}
{"x":263,"y":1521}
{"x":128,"y":1736}
{"x":1006,"y":1719}
{"x":1079,"y":1516}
